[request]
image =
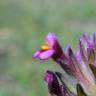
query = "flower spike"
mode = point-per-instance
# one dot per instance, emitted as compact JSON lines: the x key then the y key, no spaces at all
{"x":50,"y":49}
{"x":80,"y":67}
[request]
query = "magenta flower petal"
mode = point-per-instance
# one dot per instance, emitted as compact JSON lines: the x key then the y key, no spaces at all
{"x":51,"y":38}
{"x":78,"y":56}
{"x":46,"y":54}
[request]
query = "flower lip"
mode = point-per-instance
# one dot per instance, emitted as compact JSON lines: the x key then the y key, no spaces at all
{"x":46,"y":54}
{"x":43,"y":54}
{"x":36,"y":55}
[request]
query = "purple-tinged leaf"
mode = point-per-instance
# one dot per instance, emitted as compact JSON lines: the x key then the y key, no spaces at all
{"x":74,"y":63}
{"x":83,"y":51}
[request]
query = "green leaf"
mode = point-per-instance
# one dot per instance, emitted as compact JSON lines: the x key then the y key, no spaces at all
{"x":93,"y":68}
{"x":91,"y":56}
{"x":80,"y":91}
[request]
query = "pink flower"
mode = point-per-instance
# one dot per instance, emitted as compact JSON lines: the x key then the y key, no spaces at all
{"x":50,"y":48}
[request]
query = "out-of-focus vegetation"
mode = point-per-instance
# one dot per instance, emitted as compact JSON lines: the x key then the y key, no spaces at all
{"x":23,"y":26}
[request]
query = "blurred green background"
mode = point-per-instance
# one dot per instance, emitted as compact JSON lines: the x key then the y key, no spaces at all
{"x":23,"y":26}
